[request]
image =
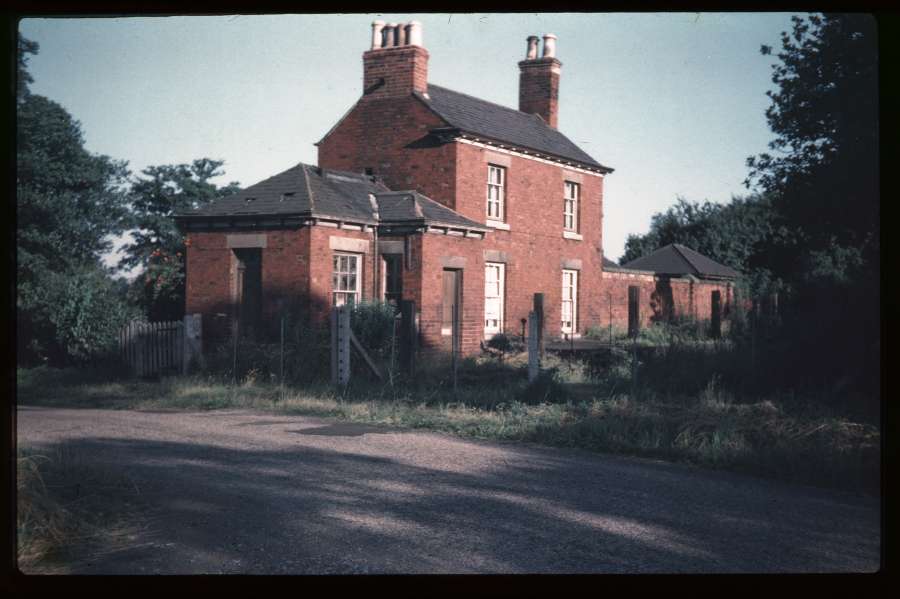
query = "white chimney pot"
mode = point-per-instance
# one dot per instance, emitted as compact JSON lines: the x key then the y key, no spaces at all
{"x":549,"y":45}
{"x":401,"y":34}
{"x":390,"y":39}
{"x":377,"y":26}
{"x":414,"y":34}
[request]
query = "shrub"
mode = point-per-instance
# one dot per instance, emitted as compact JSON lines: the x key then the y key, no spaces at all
{"x":70,"y":318}
{"x":546,"y":388}
{"x":373,"y":324}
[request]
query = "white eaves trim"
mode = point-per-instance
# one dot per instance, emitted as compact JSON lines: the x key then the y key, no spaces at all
{"x":560,"y":163}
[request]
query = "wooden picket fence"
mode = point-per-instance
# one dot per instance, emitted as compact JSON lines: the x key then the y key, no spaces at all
{"x":150,"y":348}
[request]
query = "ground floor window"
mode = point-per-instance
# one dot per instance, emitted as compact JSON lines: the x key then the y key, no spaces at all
{"x":569,"y":301}
{"x":345,"y":279}
{"x":493,"y":297}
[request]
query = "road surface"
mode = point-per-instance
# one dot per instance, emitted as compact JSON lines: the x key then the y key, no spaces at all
{"x":245,"y":492}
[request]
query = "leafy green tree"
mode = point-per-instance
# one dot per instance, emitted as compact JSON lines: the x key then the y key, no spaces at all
{"x":158,"y":246}
{"x":823,"y":169}
{"x":69,"y":203}
{"x":822,"y":173}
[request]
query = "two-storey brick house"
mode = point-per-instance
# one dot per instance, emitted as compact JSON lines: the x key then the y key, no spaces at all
{"x":490,"y":206}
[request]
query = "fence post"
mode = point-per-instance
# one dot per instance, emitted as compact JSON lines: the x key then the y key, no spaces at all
{"x":534,"y":360}
{"x":539,"y":315}
{"x":455,"y":343}
{"x":281,"y":373}
{"x":192,"y":341}
{"x":137,"y":339}
{"x":408,"y":336}
{"x":340,"y":344}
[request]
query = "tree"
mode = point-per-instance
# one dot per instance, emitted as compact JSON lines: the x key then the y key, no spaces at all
{"x":823,"y":171}
{"x":158,"y":246}
{"x":68,"y":204}
{"x":823,"y":177}
{"x":738,"y":234}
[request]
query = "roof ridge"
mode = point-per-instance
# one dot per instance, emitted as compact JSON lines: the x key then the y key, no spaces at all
{"x":309,"y":193}
{"x":677,"y":247}
{"x":417,"y":209}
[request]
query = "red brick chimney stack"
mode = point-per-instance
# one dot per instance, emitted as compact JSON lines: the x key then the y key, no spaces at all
{"x":397,"y":64}
{"x":539,"y":80}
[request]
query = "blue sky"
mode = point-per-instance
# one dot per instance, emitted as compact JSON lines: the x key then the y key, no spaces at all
{"x":674,"y":102}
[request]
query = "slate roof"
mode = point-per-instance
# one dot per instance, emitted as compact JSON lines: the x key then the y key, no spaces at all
{"x":676,"y":259}
{"x":607,"y":263}
{"x":411,"y":207}
{"x":501,"y":123}
{"x":306,"y":190}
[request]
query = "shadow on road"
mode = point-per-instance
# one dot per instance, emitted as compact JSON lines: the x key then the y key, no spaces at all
{"x":309,"y":510}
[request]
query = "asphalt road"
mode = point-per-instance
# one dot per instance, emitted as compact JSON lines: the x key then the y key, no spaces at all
{"x":244,"y":492}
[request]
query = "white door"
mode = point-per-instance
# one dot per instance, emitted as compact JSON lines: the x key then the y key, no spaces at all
{"x":569,"y":301}
{"x":493,"y":298}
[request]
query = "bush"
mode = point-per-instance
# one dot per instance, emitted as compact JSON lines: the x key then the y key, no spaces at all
{"x":70,"y":318}
{"x":546,"y":388}
{"x":373,"y":324}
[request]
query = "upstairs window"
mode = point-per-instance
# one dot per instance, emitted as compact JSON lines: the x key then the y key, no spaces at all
{"x":496,"y":192}
{"x":345,"y":279}
{"x":570,"y":206}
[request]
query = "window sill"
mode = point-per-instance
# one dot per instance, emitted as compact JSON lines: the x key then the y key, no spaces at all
{"x":496,"y":224}
{"x":572,"y":235}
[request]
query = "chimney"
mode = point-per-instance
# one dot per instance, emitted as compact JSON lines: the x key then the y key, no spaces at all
{"x":397,"y":64}
{"x":539,"y":80}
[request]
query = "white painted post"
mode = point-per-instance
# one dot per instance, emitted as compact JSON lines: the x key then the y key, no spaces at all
{"x":534,"y":353}
{"x":340,"y":345}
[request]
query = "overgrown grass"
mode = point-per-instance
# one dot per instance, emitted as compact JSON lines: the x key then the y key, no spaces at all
{"x":783,"y":436}
{"x":67,"y":502}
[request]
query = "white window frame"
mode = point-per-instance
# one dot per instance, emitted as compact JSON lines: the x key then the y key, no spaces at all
{"x":569,"y":304}
{"x":497,"y":280}
{"x":571,"y":195}
{"x":496,"y":193}
{"x":341,"y":273}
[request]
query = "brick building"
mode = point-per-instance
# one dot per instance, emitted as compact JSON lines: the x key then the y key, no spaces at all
{"x":432,"y":195}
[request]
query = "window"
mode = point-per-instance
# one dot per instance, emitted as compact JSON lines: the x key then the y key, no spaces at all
{"x":569,"y":301}
{"x":493,"y":298}
{"x":345,"y":279}
{"x":570,"y":206}
{"x":496,"y":191}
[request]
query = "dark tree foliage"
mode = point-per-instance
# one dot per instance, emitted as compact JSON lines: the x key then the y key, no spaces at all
{"x":68,"y":204}
{"x":159,"y":247}
{"x":738,"y":234}
{"x":823,"y":169}
{"x":822,"y":174}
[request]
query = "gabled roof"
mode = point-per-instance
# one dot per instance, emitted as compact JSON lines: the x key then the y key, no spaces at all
{"x":607,"y":263}
{"x":676,"y":259}
{"x":411,"y":207}
{"x":305,"y":190}
{"x":504,"y":124}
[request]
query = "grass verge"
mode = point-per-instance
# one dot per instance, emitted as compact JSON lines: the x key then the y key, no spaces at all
{"x":780,"y":436}
{"x":66,"y":505}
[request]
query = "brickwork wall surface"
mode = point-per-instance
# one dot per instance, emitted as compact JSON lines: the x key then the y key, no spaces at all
{"x":391,"y":138}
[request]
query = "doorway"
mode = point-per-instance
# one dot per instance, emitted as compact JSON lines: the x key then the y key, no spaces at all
{"x":451,"y":294}
{"x":249,"y":290}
